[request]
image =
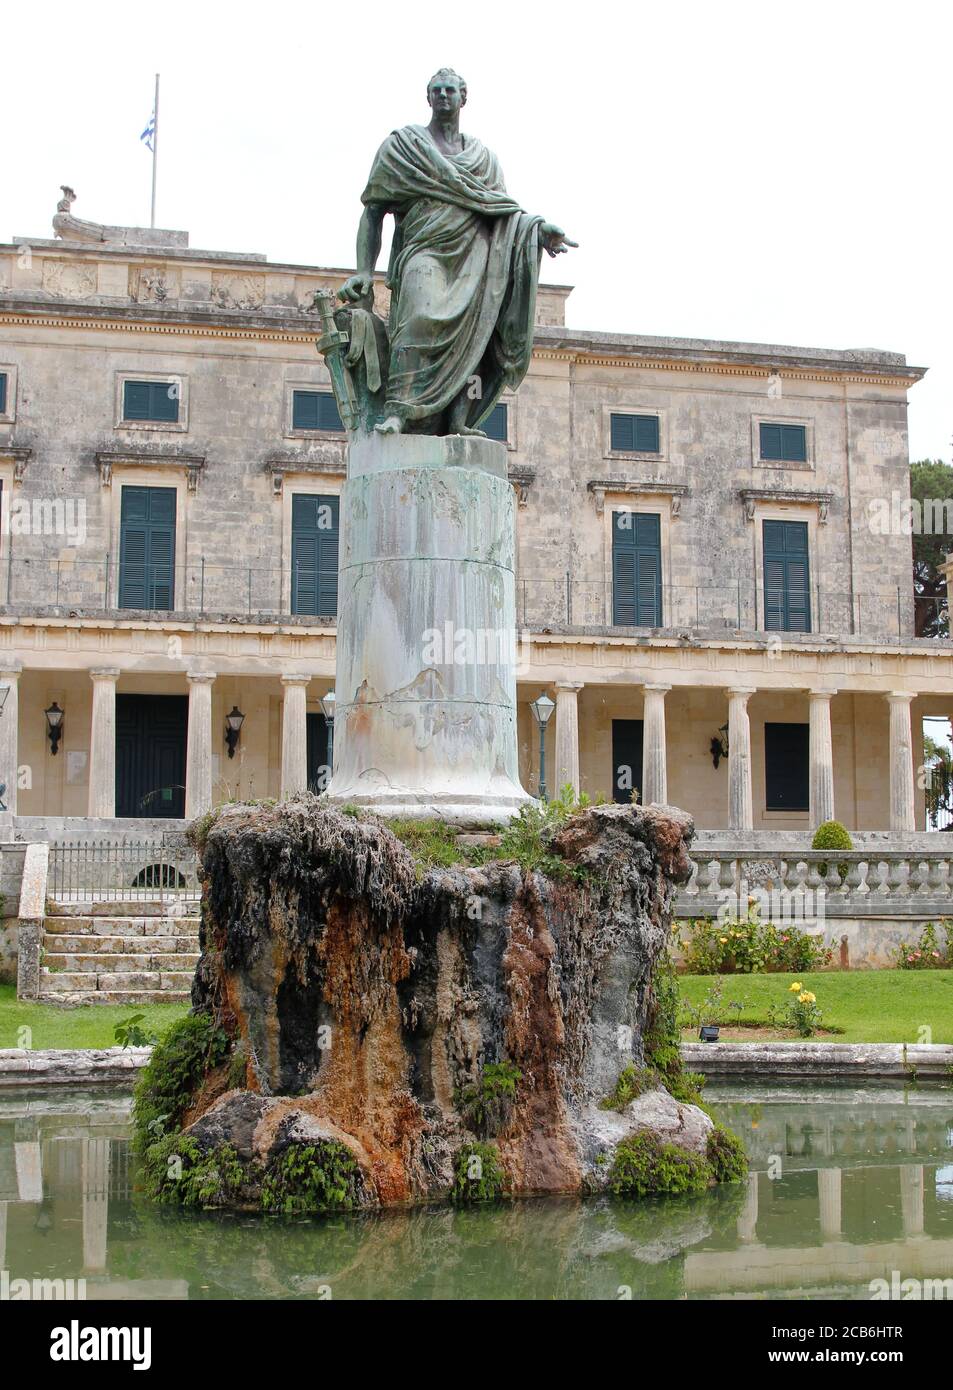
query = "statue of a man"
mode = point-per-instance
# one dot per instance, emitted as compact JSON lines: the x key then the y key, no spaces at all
{"x":463,"y":270}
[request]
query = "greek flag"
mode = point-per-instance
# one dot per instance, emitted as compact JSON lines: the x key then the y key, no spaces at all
{"x":148,"y":134}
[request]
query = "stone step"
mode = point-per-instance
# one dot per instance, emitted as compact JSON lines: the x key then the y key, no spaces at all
{"x":71,"y":963}
{"x":113,"y":981}
{"x":121,"y":996}
{"x":56,"y":944}
{"x":122,"y":926}
{"x":137,"y":907}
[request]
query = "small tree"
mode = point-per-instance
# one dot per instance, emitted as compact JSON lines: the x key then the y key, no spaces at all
{"x":938,"y":791}
{"x":930,"y":479}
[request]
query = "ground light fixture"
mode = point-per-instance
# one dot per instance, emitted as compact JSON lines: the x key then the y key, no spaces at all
{"x":327,"y":709}
{"x":542,"y":709}
{"x":54,"y":726}
{"x":233,"y":729}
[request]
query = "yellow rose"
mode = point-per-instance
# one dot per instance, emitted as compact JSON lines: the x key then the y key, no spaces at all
{"x":723,"y":940}
{"x":795,"y":989}
{"x":805,"y":998}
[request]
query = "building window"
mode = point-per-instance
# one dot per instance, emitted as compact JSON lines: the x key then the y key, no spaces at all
{"x":496,"y":424}
{"x":314,"y":555}
{"x":3,"y":393}
{"x":147,"y":548}
{"x":151,"y":400}
{"x":626,"y":759}
{"x":786,"y":767}
{"x":787,"y":583}
{"x":784,"y":443}
{"x":636,"y":569}
{"x":315,"y":410}
{"x":634,"y":434}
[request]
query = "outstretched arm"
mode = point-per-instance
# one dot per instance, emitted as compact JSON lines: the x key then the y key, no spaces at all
{"x":369,"y":235}
{"x":554,"y":239}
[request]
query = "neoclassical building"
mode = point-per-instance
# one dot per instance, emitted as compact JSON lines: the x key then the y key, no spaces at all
{"x":700,"y":586}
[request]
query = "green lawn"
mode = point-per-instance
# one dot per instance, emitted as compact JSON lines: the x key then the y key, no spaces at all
{"x":91,"y":1026}
{"x":869,"y":1005}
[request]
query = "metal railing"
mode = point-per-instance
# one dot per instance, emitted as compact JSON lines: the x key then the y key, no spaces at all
{"x":266,"y":593}
{"x":122,"y":872}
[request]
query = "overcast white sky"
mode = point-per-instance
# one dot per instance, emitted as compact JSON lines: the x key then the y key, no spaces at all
{"x":753,"y":171}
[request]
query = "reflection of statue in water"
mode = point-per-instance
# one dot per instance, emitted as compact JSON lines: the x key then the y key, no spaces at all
{"x":463,"y":272}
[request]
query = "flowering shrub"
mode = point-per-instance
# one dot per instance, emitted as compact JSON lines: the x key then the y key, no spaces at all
{"x":749,"y":946}
{"x":802,"y":1013}
{"x":928,"y":954}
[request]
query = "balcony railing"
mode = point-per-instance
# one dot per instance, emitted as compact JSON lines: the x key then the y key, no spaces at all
{"x":91,"y":586}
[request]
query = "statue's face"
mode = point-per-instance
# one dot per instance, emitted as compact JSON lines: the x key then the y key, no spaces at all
{"x":445,"y":97}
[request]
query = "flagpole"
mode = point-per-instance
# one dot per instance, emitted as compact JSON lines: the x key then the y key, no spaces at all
{"x":155,"y":149}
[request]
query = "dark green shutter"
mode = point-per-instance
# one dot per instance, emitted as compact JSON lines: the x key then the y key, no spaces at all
{"x":627,"y":737}
{"x":787,"y":580}
{"x":496,"y":423}
{"x":317,"y":752}
{"x":3,"y":393}
{"x":784,"y":443}
{"x":314,"y":555}
{"x":634,"y":434}
{"x":787,"y":767}
{"x":315,"y":410}
{"x":150,"y":400}
{"x":636,"y":569}
{"x":147,"y":548}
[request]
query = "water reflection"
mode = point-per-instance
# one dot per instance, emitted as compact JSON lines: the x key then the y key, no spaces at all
{"x":846,"y":1186}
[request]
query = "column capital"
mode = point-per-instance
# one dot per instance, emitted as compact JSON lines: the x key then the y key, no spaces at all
{"x":569,"y":685}
{"x":740,"y":692}
{"x":900,"y":696}
{"x":296,"y":680}
{"x":11,"y":670}
{"x":197,"y":677}
{"x":821,"y":694}
{"x":105,"y":673}
{"x":656,"y":687}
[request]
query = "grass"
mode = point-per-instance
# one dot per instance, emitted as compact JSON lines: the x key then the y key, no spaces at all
{"x":91,"y":1026}
{"x":888,"y":1006}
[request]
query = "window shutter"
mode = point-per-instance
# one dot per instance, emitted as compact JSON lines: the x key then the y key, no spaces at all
{"x":787,"y":581}
{"x":784,"y":443}
{"x":147,"y":548}
{"x":787,"y":767}
{"x":636,"y":569}
{"x":634,"y":434}
{"x":150,"y":400}
{"x":627,"y":737}
{"x":496,"y":423}
{"x":3,"y":393}
{"x":314,"y":555}
{"x":315,"y":410}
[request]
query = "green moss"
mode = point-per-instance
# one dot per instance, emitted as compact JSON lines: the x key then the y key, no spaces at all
{"x":662,"y":1038}
{"x":478,"y":1176}
{"x":633,"y":1082}
{"x":644,"y":1165}
{"x":486,"y":1106}
{"x":433,"y":843}
{"x":180,"y":1060}
{"x":312,"y":1177}
{"x":178,"y":1171}
{"x":726,"y":1155}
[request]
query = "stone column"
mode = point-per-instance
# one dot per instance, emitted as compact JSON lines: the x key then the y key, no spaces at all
{"x":9,"y":733}
{"x":829,"y":1198}
{"x":567,"y":737}
{"x":821,"y":757}
{"x":911,"y":1198}
{"x":748,"y":1216}
{"x":740,"y":804}
{"x":96,"y":1154}
{"x":294,"y":735}
{"x":902,"y":813}
{"x":654,"y":763}
{"x":198,"y":759}
{"x":102,"y":743}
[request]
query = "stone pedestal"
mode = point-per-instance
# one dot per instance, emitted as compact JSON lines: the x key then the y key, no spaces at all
{"x":426,"y":640}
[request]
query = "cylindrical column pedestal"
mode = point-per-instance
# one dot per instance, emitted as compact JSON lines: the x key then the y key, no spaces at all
{"x":426,"y":638}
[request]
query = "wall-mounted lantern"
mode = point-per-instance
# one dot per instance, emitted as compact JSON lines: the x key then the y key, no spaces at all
{"x":718,"y":748}
{"x":233,"y":729}
{"x":54,"y":726}
{"x":327,"y":709}
{"x":4,"y":692}
{"x":542,"y":709}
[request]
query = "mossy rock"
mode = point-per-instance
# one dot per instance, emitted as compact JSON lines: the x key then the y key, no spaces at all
{"x":726,"y":1155}
{"x":478,"y":1174}
{"x":646,"y":1165}
{"x":180,"y":1061}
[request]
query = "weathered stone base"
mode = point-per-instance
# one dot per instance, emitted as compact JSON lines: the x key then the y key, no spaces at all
{"x":422,"y":1019}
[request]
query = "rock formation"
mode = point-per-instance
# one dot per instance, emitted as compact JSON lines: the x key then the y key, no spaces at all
{"x":431,"y":1027}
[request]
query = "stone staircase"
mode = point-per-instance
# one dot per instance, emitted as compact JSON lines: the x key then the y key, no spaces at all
{"x":119,"y":953}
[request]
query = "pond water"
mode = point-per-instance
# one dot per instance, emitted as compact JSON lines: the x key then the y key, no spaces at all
{"x":846,"y":1186}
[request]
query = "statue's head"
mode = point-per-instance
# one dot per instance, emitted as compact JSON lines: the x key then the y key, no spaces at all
{"x":446,"y":92}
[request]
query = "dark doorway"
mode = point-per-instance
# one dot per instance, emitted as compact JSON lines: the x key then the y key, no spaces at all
{"x":626,"y":758}
{"x":787,"y":755}
{"x":151,"y":732}
{"x":319,"y":774}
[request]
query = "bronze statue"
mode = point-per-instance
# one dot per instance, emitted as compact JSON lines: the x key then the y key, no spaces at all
{"x":463,"y":272}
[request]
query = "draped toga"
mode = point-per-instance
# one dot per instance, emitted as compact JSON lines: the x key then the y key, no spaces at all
{"x":463,"y":271}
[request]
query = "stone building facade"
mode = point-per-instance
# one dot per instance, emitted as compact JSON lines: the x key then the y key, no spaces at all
{"x":700,"y":586}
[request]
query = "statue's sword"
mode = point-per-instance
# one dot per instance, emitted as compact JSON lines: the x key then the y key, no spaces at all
{"x":332,"y":345}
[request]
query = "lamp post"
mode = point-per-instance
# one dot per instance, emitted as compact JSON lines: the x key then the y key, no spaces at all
{"x":54,"y":726}
{"x":542,"y":708}
{"x":327,"y":709}
{"x":233,"y":729}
